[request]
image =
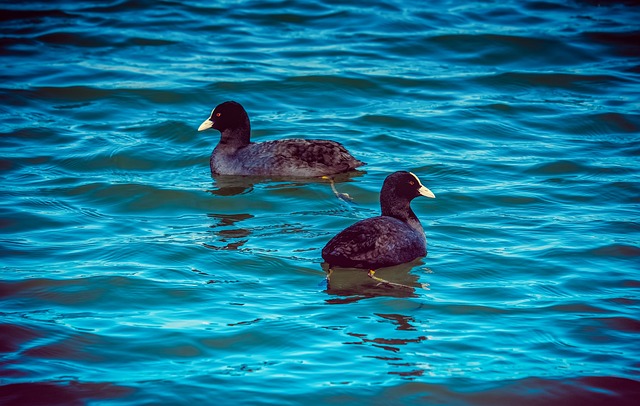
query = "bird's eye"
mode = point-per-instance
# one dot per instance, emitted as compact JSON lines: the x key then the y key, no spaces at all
{"x":412,"y":182}
{"x":218,"y":114}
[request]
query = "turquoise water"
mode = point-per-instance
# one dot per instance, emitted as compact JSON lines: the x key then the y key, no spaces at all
{"x":130,"y":276}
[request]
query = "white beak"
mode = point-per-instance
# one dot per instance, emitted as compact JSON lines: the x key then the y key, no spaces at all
{"x":423,"y":189}
{"x":426,"y":192}
{"x":206,"y":124}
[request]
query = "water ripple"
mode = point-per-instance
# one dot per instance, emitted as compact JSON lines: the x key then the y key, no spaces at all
{"x":129,"y":274}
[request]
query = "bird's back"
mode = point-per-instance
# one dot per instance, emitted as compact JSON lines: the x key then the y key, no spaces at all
{"x":375,"y":243}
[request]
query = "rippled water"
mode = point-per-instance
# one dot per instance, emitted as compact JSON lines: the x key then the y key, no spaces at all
{"x":129,"y":276}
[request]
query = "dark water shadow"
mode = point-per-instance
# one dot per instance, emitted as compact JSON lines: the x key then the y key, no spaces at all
{"x":349,"y":285}
{"x":225,"y":231}
{"x":61,"y":393}
{"x":227,"y":185}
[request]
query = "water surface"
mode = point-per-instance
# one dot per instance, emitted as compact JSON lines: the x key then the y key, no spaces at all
{"x":130,"y":276}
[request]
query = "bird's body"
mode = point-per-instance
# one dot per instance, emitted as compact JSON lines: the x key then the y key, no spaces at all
{"x":396,"y":243}
{"x":291,"y":158}
{"x":393,"y":238}
{"x":235,"y":154}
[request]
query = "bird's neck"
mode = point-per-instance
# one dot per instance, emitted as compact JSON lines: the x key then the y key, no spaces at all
{"x":235,"y":138}
{"x":403,"y":213}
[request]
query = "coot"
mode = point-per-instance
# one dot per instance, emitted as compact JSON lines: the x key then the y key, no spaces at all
{"x":393,"y":238}
{"x":235,"y":154}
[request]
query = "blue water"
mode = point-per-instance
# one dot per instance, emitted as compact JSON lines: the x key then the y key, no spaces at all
{"x":131,"y":277}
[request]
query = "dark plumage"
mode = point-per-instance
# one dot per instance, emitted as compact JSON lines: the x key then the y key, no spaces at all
{"x":235,"y":154}
{"x":393,"y":238}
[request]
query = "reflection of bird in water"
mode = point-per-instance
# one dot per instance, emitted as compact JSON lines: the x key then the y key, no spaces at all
{"x":351,"y":284}
{"x":402,"y":322}
{"x":395,"y":237}
{"x":235,"y":154}
{"x":238,"y":185}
